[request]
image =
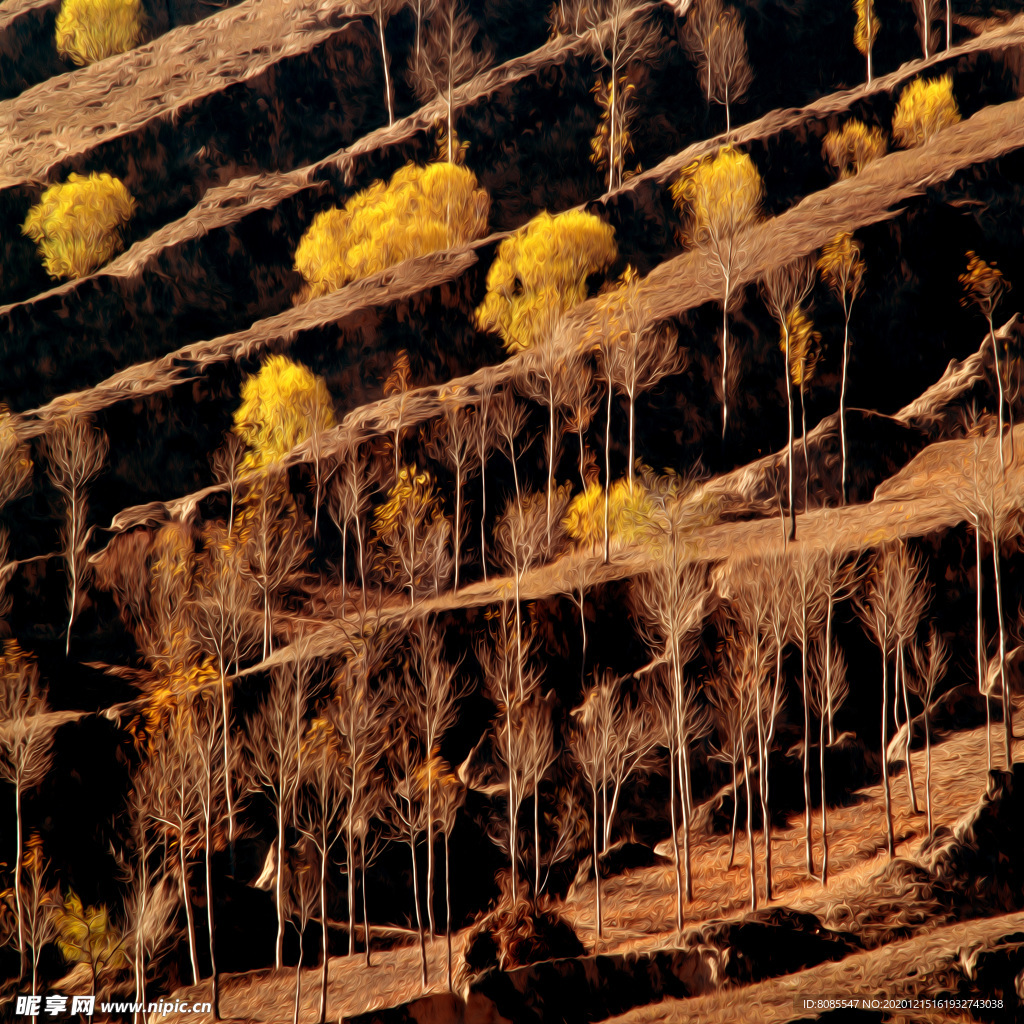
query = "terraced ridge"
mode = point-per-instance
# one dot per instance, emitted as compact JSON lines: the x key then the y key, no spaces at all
{"x":207,"y":268}
{"x":685,"y":281}
{"x":179,"y":115}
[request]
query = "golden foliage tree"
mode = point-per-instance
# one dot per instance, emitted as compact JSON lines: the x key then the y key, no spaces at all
{"x":86,"y":935}
{"x":984,"y":285}
{"x":282,"y":406}
{"x":924,"y":108}
{"x":90,"y":30}
{"x":866,"y":31}
{"x":784,"y":288}
{"x":842,"y":266}
{"x":721,"y":195}
{"x":804,"y":351}
{"x":541,"y":269}
{"x":419,"y":211}
{"x":851,"y":148}
{"x":631,"y":514}
{"x":77,"y":224}
{"x":612,"y":142}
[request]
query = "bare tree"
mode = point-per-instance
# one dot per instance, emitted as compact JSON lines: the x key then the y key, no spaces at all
{"x":670,"y":602}
{"x":577,"y":577}
{"x":641,"y":354}
{"x":612,"y":739}
{"x":272,"y":746}
{"x":409,"y":810}
{"x":828,"y":692}
{"x":878,"y":610}
{"x":451,"y":795}
{"x":486,"y":439}
{"x":446,"y":59}
{"x":176,"y":807}
{"x":715,"y":40}
{"x":15,"y":473}
{"x":26,"y":737}
{"x":225,"y":620}
{"x":321,"y":809}
{"x":536,"y":738}
{"x":510,"y":682}
{"x":277,"y":544}
{"x":302,"y":902}
{"x":808,"y":615}
{"x":360,"y":717}
{"x":785,"y":288}
{"x":348,"y":503}
{"x":454,"y":442}
{"x":581,"y":400}
{"x":931,"y":668}
{"x":75,"y":451}
{"x":39,"y":905}
{"x":912,"y":596}
{"x":432,"y":697}
{"x":227,"y":464}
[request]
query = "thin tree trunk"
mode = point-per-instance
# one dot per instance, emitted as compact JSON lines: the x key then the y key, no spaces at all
{"x":808,"y":847}
{"x":1007,"y":706}
{"x":725,"y":357}
{"x":384,"y":60}
{"x":828,"y":667}
{"x":431,"y":927}
{"x":632,"y":437}
{"x":448,"y":908}
{"x":803,"y":441}
{"x":684,"y":800}
{"x":890,"y":839}
{"x":949,"y":25}
{"x":189,"y":922}
{"x":416,"y":900}
{"x":824,"y":802}
{"x":279,"y":896}
{"x":18,"y":909}
{"x":597,"y":872}
{"x":322,"y":1015}
{"x":366,"y":916}
{"x":350,"y":855}
{"x":551,"y":452}
{"x":980,"y":646}
{"x":842,"y":415}
{"x":511,"y":798}
{"x":536,"y":842}
{"x":675,"y":836}
{"x":211,"y":927}
{"x":762,"y":774}
{"x":999,"y":385}
{"x":298,"y":982}
{"x":901,"y":658}
{"x":750,"y":824}
{"x":928,"y":766}
{"x":735,"y":809}
{"x":227,"y":761}
{"x":483,"y":509}
{"x":792,"y":431}
{"x":607,"y":465}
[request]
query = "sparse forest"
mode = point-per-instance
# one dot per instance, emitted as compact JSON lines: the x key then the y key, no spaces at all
{"x":511,"y":511}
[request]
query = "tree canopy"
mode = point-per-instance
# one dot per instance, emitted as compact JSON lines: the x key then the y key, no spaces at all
{"x":419,"y":211}
{"x":541,"y":271}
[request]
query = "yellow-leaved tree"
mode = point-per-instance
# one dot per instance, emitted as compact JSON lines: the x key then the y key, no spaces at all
{"x":542,"y":271}
{"x":282,"y":406}
{"x":842,"y":266}
{"x":77,"y":224}
{"x":90,"y":30}
{"x":866,"y":30}
{"x":804,"y":344}
{"x":720,"y":195}
{"x":419,"y":211}
{"x":924,"y":108}
{"x":850,"y":148}
{"x":86,"y":935}
{"x":631,"y":514}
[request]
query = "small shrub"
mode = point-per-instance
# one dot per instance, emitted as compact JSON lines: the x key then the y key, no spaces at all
{"x":631,"y":514}
{"x":924,"y":109}
{"x":542,"y":270}
{"x":852,"y":147}
{"x":77,"y":225}
{"x":90,"y":30}
{"x":419,"y":211}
